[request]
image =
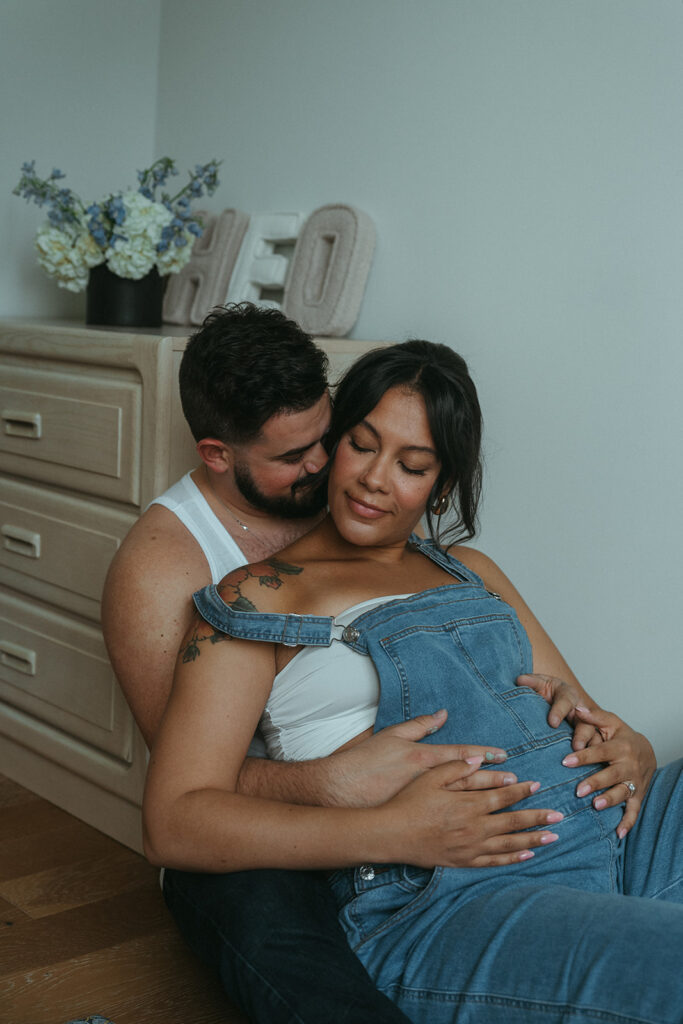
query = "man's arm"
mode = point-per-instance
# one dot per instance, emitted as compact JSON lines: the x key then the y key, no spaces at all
{"x":369,"y":773}
{"x":146,"y":609}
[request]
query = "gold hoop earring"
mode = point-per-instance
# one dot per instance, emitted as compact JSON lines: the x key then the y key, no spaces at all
{"x":441,"y":506}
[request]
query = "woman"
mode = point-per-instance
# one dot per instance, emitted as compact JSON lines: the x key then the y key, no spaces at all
{"x":358,"y":625}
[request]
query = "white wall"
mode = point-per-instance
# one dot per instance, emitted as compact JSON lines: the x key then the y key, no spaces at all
{"x":78,"y":81}
{"x":522,"y":162}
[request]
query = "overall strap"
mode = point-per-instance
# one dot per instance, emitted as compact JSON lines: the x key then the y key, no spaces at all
{"x":291,"y":630}
{"x":431,"y":550}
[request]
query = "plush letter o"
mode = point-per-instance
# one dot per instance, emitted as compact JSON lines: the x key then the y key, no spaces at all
{"x":329,"y":270}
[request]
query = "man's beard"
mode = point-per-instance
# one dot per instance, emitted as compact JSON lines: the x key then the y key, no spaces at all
{"x":303,"y":501}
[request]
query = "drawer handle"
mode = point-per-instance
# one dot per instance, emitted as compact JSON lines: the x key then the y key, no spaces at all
{"x":23,"y":424}
{"x":18,"y":658}
{"x":20,"y":541}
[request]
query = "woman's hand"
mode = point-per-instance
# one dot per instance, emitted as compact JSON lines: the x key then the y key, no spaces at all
{"x":630,"y":758}
{"x":563,"y":699}
{"x":458,"y":818}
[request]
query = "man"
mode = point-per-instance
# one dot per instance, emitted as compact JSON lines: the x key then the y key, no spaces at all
{"x":254,"y":393}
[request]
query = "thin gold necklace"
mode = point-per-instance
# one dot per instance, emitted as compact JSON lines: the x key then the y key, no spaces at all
{"x":227,"y":508}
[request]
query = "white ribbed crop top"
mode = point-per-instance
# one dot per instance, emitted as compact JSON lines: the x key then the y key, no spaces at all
{"x":323,"y":697}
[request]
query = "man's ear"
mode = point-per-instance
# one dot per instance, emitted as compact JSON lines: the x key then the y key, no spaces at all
{"x":215,"y":454}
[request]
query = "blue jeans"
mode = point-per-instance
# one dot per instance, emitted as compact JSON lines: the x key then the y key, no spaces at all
{"x":274,"y":938}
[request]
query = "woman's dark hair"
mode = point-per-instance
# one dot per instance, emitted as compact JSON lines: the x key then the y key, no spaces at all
{"x":440,"y":376}
{"x":245,"y":364}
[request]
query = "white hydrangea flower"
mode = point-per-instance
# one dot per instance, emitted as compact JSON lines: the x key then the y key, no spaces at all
{"x":66,"y":258}
{"x":142,"y":227}
{"x":176,"y":257}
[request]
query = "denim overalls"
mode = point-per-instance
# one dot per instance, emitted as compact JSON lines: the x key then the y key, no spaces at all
{"x":477,"y":944}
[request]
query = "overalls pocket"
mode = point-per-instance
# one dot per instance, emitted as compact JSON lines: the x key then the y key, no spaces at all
{"x":370,"y":907}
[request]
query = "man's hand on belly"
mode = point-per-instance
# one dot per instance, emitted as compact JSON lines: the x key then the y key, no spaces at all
{"x":370,"y":771}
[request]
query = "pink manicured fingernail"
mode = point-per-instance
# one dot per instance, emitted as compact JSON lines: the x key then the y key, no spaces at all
{"x":534,"y":787}
{"x":583,"y":789}
{"x":509,"y":779}
{"x":526,"y":855}
{"x":599,"y":803}
{"x":570,"y":761}
{"x":500,"y":757}
{"x":580,"y":707}
{"x":554,"y":817}
{"x":549,"y":837}
{"x":621,"y":832}
{"x":474,"y":760}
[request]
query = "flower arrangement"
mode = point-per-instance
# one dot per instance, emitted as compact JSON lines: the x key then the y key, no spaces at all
{"x":132,"y":231}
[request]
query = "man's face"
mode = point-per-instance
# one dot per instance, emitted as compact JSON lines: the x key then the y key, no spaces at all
{"x":288,"y":450}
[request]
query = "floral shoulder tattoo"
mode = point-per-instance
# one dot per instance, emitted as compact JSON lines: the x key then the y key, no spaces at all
{"x":269,"y":573}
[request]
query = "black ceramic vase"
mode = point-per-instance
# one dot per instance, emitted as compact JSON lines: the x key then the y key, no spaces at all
{"x":113,"y":301}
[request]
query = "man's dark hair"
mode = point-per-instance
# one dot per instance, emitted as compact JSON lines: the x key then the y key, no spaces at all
{"x":440,"y":376}
{"x":245,"y":364}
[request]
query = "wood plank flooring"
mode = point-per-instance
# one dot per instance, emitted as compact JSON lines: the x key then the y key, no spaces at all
{"x":84,"y":928}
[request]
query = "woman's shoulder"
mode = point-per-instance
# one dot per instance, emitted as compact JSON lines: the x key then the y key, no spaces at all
{"x":491,"y":573}
{"x":266,"y":586}
{"x":473,"y":559}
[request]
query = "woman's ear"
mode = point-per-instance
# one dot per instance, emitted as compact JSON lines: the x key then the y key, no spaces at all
{"x":218,"y":456}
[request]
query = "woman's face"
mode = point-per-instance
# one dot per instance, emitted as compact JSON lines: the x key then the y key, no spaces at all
{"x":383,"y":471}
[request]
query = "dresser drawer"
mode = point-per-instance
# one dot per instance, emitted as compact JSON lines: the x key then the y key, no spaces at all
{"x":75,"y":430}
{"x":56,"y":670}
{"x":57,"y":547}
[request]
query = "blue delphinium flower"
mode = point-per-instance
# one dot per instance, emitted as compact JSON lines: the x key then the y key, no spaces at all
{"x":96,"y":224}
{"x":64,"y":206}
{"x":116,"y":209}
{"x":203,"y":180}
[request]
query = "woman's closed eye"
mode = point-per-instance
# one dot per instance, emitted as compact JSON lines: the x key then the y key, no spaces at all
{"x":356,"y":447}
{"x":412,"y":471}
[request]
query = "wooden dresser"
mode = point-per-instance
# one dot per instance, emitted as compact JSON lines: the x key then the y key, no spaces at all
{"x":91,"y":431}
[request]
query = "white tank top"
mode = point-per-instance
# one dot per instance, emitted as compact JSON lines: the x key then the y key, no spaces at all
{"x":188,"y":503}
{"x":323,"y":697}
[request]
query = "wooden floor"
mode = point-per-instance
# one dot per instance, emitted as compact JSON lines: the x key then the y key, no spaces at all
{"x":84,"y":928}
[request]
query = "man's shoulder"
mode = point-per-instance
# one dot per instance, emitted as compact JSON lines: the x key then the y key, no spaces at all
{"x":156,"y":528}
{"x":159,"y":550}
